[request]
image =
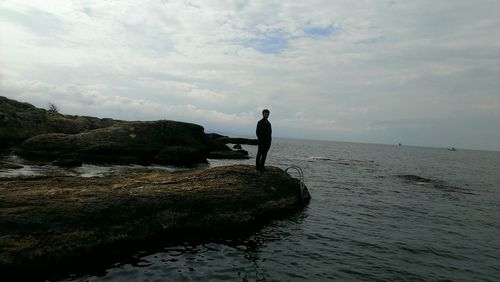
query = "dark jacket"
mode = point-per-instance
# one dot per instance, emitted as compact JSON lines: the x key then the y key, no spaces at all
{"x":264,"y":131}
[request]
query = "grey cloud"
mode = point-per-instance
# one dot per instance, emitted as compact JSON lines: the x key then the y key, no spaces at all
{"x":39,"y":22}
{"x":421,"y":73}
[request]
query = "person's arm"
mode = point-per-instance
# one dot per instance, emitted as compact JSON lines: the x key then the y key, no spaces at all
{"x":258,"y":131}
{"x":268,"y":131}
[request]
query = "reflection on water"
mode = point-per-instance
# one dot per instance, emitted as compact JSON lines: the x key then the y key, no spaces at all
{"x":31,"y":168}
{"x":86,"y":170}
{"x":216,"y":259}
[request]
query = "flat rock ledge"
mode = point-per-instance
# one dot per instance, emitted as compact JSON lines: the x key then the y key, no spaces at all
{"x":52,"y":223}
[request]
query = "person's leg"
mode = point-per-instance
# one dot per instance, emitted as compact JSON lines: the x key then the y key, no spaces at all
{"x":263,"y":160}
{"x":258,"y":158}
{"x":264,"y":150}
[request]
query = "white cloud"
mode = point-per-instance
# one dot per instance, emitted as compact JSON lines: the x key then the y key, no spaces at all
{"x":372,"y":71}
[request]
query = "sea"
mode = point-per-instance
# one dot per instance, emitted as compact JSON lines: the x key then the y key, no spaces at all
{"x":378,"y":213}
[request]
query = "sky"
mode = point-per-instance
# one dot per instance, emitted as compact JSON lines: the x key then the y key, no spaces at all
{"x":416,"y":72}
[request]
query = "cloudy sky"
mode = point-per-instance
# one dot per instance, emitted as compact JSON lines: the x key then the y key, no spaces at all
{"x":419,"y":72}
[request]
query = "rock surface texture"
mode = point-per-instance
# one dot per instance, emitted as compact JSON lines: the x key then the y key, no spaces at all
{"x":52,"y":223}
{"x":41,"y":135}
{"x":161,"y":142}
{"x":20,"y":121}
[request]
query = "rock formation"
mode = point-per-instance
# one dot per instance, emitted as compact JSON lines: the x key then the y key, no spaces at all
{"x":232,"y":140}
{"x":20,"y":121}
{"x":161,"y":142}
{"x":229,"y":154}
{"x":65,"y":140}
{"x":67,"y":220}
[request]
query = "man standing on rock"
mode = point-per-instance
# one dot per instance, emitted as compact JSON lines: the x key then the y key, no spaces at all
{"x":264,"y":135}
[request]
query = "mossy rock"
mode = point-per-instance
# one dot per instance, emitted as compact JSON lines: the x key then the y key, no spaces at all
{"x":67,"y":221}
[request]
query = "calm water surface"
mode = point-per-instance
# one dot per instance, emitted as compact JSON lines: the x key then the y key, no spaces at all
{"x":378,"y":212}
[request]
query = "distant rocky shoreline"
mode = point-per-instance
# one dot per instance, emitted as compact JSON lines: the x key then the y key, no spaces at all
{"x":65,"y":140}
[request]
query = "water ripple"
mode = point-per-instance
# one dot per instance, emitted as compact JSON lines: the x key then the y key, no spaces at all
{"x":379,"y":213}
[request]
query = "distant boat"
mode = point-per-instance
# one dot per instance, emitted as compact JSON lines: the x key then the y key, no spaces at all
{"x":452,"y":149}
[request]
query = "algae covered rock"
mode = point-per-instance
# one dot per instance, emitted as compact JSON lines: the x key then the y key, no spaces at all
{"x":67,"y":220}
{"x":181,"y":155}
{"x":50,"y":136}
{"x":229,"y":154}
{"x":162,"y":142}
{"x":20,"y":121}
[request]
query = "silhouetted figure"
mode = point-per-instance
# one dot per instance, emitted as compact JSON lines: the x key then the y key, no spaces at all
{"x":264,"y":132}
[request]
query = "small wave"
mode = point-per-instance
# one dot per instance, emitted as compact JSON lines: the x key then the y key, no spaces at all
{"x":369,"y":245}
{"x":415,"y":178}
{"x":319,"y":158}
{"x":341,"y":161}
{"x":354,"y":162}
{"x":430,"y":251}
{"x":438,"y":184}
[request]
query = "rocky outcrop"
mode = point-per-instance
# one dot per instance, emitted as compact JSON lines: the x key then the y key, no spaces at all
{"x":20,"y":121}
{"x":225,"y":152}
{"x":215,"y":136}
{"x":67,"y":220}
{"x":229,"y":154}
{"x":161,"y":142}
{"x":232,"y":140}
{"x":69,"y":141}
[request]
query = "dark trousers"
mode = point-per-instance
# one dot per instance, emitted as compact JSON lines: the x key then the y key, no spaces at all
{"x":260,"y":160}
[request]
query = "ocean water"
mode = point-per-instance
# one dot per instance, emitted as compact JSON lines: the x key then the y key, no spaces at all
{"x":378,"y":213}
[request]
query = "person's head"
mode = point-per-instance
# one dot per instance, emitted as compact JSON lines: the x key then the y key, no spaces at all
{"x":265,"y":113}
